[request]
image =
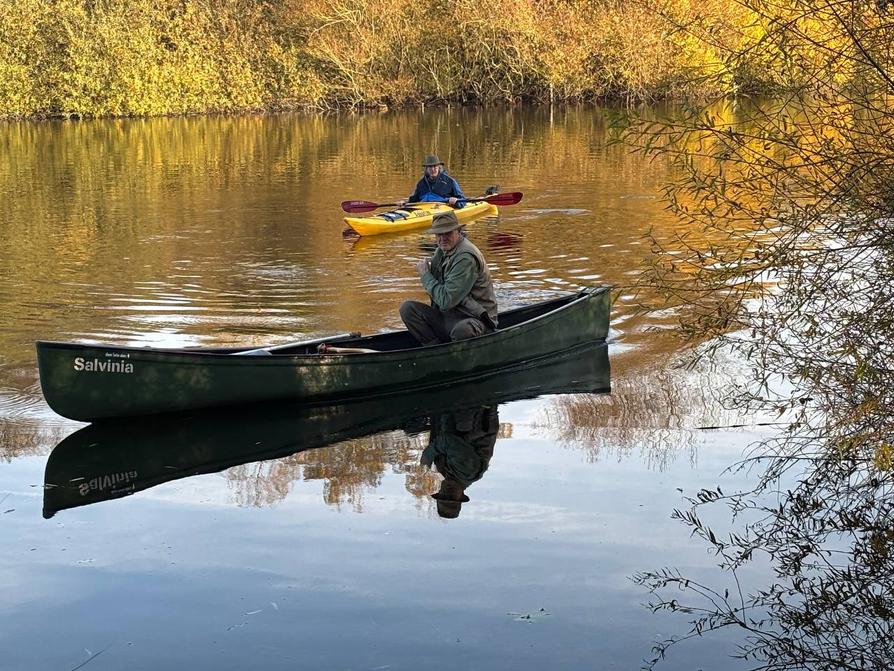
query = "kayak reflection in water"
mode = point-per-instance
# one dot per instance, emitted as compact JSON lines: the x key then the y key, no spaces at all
{"x":463,"y":301}
{"x":460,"y":447}
{"x":436,"y":185}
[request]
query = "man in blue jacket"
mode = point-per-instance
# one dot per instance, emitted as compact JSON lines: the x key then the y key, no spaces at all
{"x":436,"y":185}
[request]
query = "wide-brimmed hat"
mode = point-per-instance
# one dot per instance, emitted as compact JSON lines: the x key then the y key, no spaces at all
{"x":450,"y":498}
{"x":444,"y":222}
{"x":431,"y":160}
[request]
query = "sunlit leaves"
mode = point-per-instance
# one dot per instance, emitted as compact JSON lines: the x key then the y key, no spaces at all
{"x":148,"y":57}
{"x":787,"y":258}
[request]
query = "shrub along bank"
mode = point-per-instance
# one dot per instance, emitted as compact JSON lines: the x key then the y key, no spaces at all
{"x":154,"y":57}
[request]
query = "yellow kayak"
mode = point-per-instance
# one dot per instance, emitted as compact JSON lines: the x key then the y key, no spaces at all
{"x":417,"y":215}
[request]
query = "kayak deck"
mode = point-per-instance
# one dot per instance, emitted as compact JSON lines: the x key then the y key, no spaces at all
{"x":417,"y":215}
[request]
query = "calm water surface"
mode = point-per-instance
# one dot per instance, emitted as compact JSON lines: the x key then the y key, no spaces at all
{"x":311,"y":540}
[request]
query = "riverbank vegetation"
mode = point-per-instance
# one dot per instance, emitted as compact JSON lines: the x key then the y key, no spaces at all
{"x":154,"y":57}
{"x":798,"y":192}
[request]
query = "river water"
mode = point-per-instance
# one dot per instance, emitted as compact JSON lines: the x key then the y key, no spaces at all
{"x":312,"y":542}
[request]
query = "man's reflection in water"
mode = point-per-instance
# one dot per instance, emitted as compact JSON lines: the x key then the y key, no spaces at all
{"x":460,"y":447}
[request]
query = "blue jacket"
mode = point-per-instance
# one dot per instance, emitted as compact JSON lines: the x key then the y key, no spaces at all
{"x":443,"y":185}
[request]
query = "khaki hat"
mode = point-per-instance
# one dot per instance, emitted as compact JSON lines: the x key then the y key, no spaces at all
{"x":444,"y":222}
{"x":450,"y":499}
{"x":430,"y":160}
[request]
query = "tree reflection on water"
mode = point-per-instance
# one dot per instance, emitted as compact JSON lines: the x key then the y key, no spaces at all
{"x":347,"y":469}
{"x":657,"y":415}
{"x":829,"y":541}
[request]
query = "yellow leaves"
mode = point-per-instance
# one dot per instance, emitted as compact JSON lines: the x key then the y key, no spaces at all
{"x":141,"y":57}
{"x":884,"y":457}
{"x":147,"y":57}
{"x":867,"y":448}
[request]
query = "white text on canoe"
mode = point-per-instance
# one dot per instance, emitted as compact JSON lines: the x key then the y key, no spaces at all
{"x":97,"y":366}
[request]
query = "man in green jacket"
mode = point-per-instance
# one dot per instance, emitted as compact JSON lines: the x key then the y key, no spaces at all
{"x":460,"y":446}
{"x":463,"y":304}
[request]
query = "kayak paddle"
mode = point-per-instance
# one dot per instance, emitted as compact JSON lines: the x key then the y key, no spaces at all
{"x":510,"y":198}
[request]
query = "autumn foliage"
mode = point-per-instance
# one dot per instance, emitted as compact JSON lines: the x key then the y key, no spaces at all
{"x":153,"y":57}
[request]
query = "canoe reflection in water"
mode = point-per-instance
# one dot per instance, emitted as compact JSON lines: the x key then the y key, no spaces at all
{"x":460,"y":448}
{"x":108,"y":461}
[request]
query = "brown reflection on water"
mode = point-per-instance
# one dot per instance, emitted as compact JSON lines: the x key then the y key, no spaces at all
{"x":658,"y":417}
{"x":658,"y":423}
{"x":347,"y":469}
{"x":227,"y":230}
{"x":205,"y":230}
{"x":23,"y":438}
{"x":657,"y":426}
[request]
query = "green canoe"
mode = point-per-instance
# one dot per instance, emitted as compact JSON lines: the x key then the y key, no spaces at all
{"x":98,"y":382}
{"x":110,"y":460}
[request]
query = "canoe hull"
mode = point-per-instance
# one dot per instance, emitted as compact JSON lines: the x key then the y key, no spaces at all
{"x":90,"y":383}
{"x":416,"y":216}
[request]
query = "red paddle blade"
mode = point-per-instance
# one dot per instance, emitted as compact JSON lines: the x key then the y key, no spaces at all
{"x":359,"y":206}
{"x":505,"y":198}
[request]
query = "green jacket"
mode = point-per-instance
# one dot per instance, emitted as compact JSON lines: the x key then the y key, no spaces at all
{"x":462,"y":443}
{"x":459,"y":280}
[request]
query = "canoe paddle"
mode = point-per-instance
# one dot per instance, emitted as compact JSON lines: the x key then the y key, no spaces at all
{"x":510,"y":198}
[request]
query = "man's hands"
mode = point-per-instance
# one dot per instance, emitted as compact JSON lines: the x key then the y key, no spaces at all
{"x":423,"y":267}
{"x":452,"y":200}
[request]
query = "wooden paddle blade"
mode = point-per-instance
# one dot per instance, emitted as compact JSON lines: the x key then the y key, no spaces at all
{"x":505,"y":198}
{"x":359,"y":206}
